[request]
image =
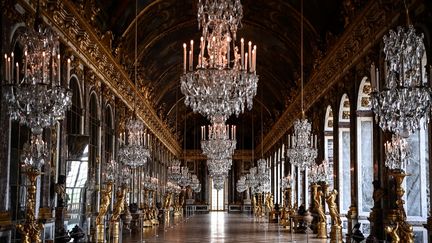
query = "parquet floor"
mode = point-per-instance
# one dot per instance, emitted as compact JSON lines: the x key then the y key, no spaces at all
{"x":219,"y":227}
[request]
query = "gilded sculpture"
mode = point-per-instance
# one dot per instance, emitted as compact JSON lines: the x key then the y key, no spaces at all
{"x":331,"y":202}
{"x":106,"y":199}
{"x":392,"y":231}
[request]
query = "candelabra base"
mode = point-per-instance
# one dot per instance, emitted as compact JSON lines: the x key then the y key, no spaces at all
{"x":100,"y":233}
{"x":155,"y":222}
{"x":322,"y":230}
{"x":116,"y":232}
{"x":148,"y":223}
{"x":336,"y":234}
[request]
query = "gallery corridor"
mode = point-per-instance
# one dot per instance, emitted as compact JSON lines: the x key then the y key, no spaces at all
{"x":218,"y":227}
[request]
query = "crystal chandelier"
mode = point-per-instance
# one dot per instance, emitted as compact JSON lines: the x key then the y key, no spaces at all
{"x":406,"y":96}
{"x":398,"y":153}
{"x":219,"y":86}
{"x":219,"y":167}
{"x":185,"y":178}
{"x":35,"y":153}
{"x":301,"y":151}
{"x":263,"y":177}
{"x":38,"y":100}
{"x":221,"y":140}
{"x":174,"y":171}
{"x":251,"y":180}
{"x":134,"y":144}
{"x":110,"y":169}
{"x":318,"y":173}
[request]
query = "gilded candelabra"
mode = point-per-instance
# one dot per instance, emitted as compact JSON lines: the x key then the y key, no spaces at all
{"x":119,"y":207}
{"x":287,"y":208}
{"x":31,"y":229}
{"x":154,"y":211}
{"x":103,"y":209}
{"x":336,"y":229}
{"x":146,"y":210}
{"x":402,"y":229}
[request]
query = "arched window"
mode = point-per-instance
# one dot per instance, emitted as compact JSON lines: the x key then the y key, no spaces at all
{"x":344,"y":155}
{"x":94,"y":130}
{"x":109,"y":133}
{"x":364,"y":148}
{"x":417,"y":183}
{"x":328,"y":142}
{"x":74,"y":114}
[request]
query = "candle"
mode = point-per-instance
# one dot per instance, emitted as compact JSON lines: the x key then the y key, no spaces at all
{"x":228,"y":51}
{"x":191,"y":55}
{"x":250,"y":54}
{"x":68,"y":70}
{"x":242,"y":52}
{"x":43,"y":67}
{"x":252,"y":66}
{"x":202,"y":47}
{"x":254,"y":58}
{"x":17,"y":72}
{"x":184,"y":57}
{"x":12,"y":67}
{"x":289,"y":142}
{"x":377,"y":79}
{"x":59,"y":66}
{"x":190,"y":60}
{"x":246,"y":63}
{"x":373,"y":78}
{"x":199,"y":61}
{"x":315,"y":141}
{"x":5,"y":70}
{"x":25,"y":64}
{"x":7,"y":67}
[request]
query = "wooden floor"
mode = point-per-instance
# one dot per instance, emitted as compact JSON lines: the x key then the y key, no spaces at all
{"x":218,"y":227}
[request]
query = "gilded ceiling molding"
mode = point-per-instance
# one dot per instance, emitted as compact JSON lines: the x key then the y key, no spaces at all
{"x":368,"y":29}
{"x":80,"y":35}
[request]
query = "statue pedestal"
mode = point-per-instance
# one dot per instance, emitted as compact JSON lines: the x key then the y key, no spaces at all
{"x":322,"y":230}
{"x":247,"y":202}
{"x":190,"y":201}
{"x":336,"y":234}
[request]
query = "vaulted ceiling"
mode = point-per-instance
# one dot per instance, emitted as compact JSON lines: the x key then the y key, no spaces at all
{"x":273,"y":25}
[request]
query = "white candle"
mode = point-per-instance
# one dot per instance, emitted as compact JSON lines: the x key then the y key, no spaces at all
{"x":246,"y":63}
{"x":191,"y":55}
{"x":250,"y":54}
{"x":228,"y":52}
{"x":5,"y":65}
{"x":199,"y":61}
{"x":253,"y":66}
{"x":190,"y":60}
{"x":17,"y":72}
{"x":315,"y":141}
{"x":372,"y":74}
{"x":289,"y":142}
{"x":68,"y":70}
{"x":43,"y":67}
{"x":25,"y":64}
{"x":377,"y":79}
{"x":202,"y":48}
{"x":12,"y":67}
{"x":184,"y":58}
{"x":254,"y":58}
{"x":59,"y":66}
{"x":242,"y":52}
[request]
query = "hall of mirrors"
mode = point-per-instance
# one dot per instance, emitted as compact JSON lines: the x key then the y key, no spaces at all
{"x":273,"y":121}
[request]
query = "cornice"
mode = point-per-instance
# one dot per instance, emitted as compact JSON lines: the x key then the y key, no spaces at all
{"x":78,"y":34}
{"x":366,"y":30}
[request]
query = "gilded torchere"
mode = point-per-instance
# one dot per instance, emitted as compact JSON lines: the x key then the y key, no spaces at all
{"x":336,"y":229}
{"x":117,"y":211}
{"x":103,"y":209}
{"x":400,"y":227}
{"x":31,"y":229}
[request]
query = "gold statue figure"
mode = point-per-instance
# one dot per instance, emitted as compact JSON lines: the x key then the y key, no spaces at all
{"x":106,"y":199}
{"x":269,"y":202}
{"x":319,"y":208}
{"x":331,"y":202}
{"x":392,"y":231}
{"x":119,"y":205}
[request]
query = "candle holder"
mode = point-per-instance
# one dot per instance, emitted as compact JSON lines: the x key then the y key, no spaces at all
{"x":31,"y":229}
{"x":119,"y":207}
{"x":397,"y":217}
{"x":103,"y":209}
